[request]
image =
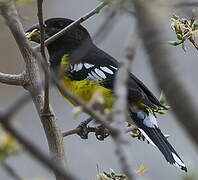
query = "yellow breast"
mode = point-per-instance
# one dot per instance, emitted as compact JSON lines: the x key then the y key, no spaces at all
{"x":85,"y":89}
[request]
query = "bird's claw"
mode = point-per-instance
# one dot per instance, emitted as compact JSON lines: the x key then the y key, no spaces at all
{"x":101,"y":133}
{"x":83,"y":133}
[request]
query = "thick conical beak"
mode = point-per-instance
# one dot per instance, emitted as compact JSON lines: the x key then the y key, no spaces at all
{"x":34,"y":35}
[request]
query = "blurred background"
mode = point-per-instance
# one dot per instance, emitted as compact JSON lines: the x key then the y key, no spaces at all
{"x":83,"y":156}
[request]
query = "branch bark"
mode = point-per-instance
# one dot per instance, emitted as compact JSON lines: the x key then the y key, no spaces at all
{"x":12,"y":79}
{"x":162,"y":63}
{"x":52,"y":131}
{"x":120,"y":109}
{"x":42,"y":50}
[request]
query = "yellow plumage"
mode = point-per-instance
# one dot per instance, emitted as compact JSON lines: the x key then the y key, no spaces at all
{"x":84,"y":89}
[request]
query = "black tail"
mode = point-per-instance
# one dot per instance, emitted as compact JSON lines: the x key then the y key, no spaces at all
{"x":149,"y":128}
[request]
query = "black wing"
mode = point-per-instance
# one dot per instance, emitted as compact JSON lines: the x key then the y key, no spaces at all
{"x":101,"y":67}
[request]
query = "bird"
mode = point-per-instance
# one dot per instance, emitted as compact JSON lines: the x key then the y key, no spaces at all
{"x":87,"y":69}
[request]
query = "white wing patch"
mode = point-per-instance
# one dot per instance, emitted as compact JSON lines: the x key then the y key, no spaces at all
{"x":150,"y":121}
{"x":107,"y":70}
{"x":78,"y":67}
{"x":96,"y":77}
{"x":87,"y":65}
{"x":100,"y":73}
{"x":91,"y":76}
{"x":75,"y":67}
{"x":114,"y":67}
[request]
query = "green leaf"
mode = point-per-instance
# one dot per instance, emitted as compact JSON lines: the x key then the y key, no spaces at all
{"x":162,"y":98}
{"x":174,"y":43}
{"x":175,"y":17}
{"x":179,"y":36}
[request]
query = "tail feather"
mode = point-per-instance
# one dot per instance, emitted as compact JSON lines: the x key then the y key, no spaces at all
{"x":148,"y":126}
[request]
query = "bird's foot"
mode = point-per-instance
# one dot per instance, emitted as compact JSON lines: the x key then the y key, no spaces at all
{"x":101,"y":133}
{"x":84,"y":128}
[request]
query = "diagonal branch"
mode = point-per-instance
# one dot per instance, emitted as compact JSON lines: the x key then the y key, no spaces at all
{"x":12,"y":109}
{"x":10,"y":171}
{"x":37,"y":153}
{"x":75,"y":23}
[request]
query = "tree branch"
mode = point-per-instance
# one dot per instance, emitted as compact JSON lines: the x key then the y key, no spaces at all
{"x":10,"y":171}
{"x":46,"y":109}
{"x":52,"y":131}
{"x":37,"y":153}
{"x":12,"y":79}
{"x":75,"y":23}
{"x":131,"y":128}
{"x":120,"y":109}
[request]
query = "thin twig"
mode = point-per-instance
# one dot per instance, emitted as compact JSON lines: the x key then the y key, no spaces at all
{"x":12,"y":79}
{"x":78,"y":130}
{"x":75,"y":23}
{"x":10,"y":171}
{"x":131,"y":128}
{"x":42,"y":49}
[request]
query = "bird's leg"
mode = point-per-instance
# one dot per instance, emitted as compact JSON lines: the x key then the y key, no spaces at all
{"x":101,"y":133}
{"x":83,"y":126}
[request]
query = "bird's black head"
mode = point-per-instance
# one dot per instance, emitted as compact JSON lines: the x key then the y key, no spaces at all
{"x":66,"y":44}
{"x":70,"y":40}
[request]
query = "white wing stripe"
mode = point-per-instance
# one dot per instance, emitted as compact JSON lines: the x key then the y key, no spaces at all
{"x":80,"y":66}
{"x":114,"y":67}
{"x":91,"y":77}
{"x":107,"y":70}
{"x":77,"y":67}
{"x":87,"y":65}
{"x":96,"y":76}
{"x":100,"y":73}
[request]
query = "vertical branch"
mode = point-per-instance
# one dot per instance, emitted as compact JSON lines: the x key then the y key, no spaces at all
{"x":120,"y":109}
{"x":42,"y":49}
{"x":53,"y":134}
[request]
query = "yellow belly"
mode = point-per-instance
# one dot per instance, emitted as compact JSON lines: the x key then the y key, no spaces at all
{"x":85,"y":89}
